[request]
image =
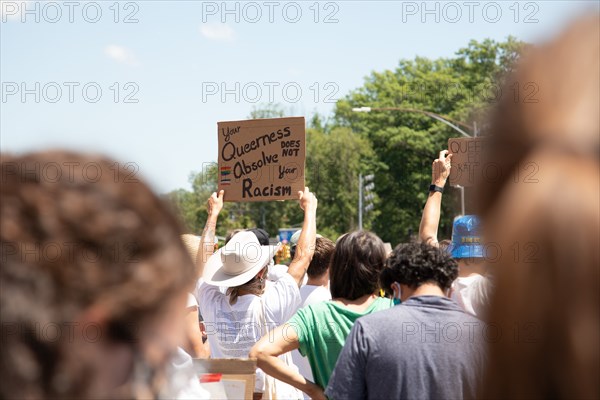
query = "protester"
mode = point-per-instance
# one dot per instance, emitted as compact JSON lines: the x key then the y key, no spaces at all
{"x":444,"y":245}
{"x":94,"y":280}
{"x":195,"y":345}
{"x":238,"y":318}
{"x":319,"y":330}
{"x":430,"y":220}
{"x":471,"y":288}
{"x":425,"y":348}
{"x":238,"y":230}
{"x":274,"y":271}
{"x":316,"y":289}
{"x":542,"y":216}
{"x":184,"y":378}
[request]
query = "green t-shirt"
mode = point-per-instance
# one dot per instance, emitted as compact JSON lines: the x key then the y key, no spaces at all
{"x":322,"y":329}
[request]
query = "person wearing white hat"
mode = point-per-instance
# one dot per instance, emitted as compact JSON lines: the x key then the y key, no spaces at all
{"x":251,"y":306}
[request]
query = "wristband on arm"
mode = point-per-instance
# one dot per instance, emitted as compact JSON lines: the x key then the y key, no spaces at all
{"x":434,"y":188}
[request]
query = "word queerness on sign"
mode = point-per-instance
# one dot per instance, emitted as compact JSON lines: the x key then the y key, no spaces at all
{"x":268,"y":164}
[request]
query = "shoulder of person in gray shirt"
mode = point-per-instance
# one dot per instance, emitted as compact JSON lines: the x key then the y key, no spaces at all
{"x":425,"y":348}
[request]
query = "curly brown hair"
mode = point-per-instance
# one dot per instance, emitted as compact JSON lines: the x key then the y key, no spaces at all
{"x":414,"y":264}
{"x":78,"y":231}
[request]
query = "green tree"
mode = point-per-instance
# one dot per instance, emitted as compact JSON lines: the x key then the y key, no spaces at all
{"x":461,"y":88}
{"x":398,"y":147}
{"x":334,"y":161}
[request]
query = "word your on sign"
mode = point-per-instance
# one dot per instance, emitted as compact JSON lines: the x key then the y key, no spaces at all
{"x":262,"y":159}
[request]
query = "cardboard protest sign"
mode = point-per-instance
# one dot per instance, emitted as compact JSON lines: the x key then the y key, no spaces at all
{"x":227,"y":378}
{"x":262,"y":159}
{"x":467,"y":163}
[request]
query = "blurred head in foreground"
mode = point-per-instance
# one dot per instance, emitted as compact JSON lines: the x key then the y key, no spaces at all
{"x":94,"y":279}
{"x":543,"y":218}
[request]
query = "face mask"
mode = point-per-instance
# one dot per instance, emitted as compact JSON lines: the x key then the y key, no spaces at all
{"x":397,"y":293}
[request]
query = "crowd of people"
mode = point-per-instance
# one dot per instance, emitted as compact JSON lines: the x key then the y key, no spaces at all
{"x":103,"y":296}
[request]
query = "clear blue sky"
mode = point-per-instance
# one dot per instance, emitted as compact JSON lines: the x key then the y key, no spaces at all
{"x":179,"y":53}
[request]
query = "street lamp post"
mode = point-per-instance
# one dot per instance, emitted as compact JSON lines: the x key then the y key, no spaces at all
{"x":441,"y":118}
{"x":365,"y":195}
{"x":360,"y":202}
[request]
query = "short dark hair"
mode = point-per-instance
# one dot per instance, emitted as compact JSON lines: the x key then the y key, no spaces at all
{"x":231,"y":234}
{"x":356,"y":264}
{"x":322,"y":258}
{"x":414,"y":264}
{"x":261,"y":235}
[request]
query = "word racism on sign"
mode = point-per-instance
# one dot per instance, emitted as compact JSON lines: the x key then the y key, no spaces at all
{"x":467,"y":164}
{"x":262,"y":159}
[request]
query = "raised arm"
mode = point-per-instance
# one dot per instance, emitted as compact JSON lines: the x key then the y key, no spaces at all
{"x":305,"y":249}
{"x":266,"y":352}
{"x":207,"y":242}
{"x":440,"y":170}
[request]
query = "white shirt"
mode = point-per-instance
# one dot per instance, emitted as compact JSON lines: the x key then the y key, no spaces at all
{"x":233,"y":329}
{"x":191,"y":302}
{"x":183,"y":382}
{"x":277,"y":270}
{"x":310,"y":294}
{"x":471,"y":293}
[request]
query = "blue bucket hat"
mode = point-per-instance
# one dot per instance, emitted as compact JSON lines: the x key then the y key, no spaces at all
{"x":466,"y":238}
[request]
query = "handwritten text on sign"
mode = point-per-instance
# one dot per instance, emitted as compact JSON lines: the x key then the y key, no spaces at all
{"x":467,"y":163}
{"x":262,"y":159}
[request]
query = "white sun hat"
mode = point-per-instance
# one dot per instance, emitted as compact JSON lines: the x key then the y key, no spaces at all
{"x":238,"y":261}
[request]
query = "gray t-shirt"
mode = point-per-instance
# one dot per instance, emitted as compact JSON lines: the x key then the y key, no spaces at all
{"x":425,"y":348}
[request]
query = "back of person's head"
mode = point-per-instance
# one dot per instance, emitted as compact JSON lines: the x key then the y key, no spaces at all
{"x":444,"y":245}
{"x":542,"y":217}
{"x":261,"y":235}
{"x":231,"y":234}
{"x":466,"y":243}
{"x":93,"y":274}
{"x":294,"y":242}
{"x":413,"y":264}
{"x":322,"y":257}
{"x":356,"y":264}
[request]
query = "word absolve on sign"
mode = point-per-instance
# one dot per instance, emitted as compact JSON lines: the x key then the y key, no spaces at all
{"x":262,"y":159}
